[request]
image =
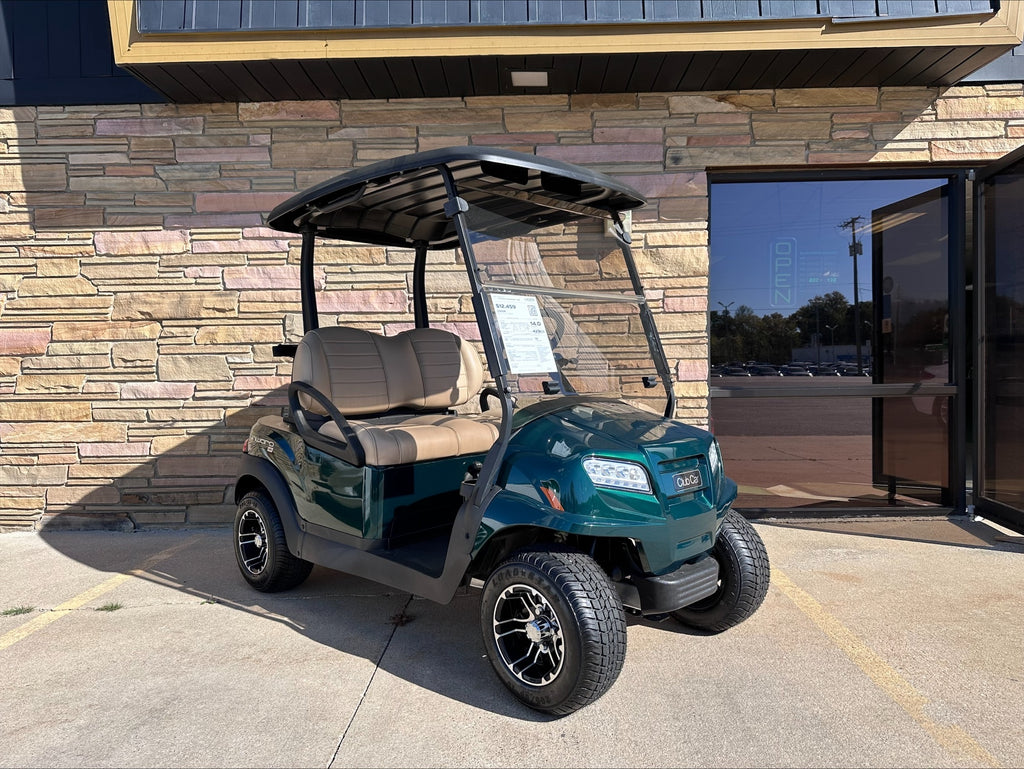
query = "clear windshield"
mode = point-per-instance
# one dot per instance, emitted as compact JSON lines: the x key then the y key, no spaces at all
{"x":566,"y":317}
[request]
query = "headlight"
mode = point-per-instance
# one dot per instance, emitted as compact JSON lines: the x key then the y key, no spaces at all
{"x":714,"y":458}
{"x":617,"y":475}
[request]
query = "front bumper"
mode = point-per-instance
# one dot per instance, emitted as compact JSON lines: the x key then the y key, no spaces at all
{"x":665,"y":593}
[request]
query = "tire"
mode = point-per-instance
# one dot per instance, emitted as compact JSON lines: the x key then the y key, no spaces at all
{"x":558,"y":607}
{"x":260,"y":547}
{"x":743,"y":575}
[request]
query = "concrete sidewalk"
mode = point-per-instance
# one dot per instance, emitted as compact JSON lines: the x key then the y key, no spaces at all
{"x":881,"y":643}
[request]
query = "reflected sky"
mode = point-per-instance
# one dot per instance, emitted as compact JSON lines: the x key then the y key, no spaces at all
{"x":774,"y":246}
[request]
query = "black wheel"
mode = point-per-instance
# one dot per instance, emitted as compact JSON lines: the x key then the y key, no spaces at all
{"x":553,"y":628}
{"x":260,"y":547}
{"x":743,"y":574}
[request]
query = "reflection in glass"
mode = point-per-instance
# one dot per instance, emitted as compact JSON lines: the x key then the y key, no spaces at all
{"x":783,"y":257}
{"x":823,"y":286}
{"x":911,"y":283}
{"x":1003,"y":383}
{"x":910,"y":247}
{"x":806,"y":452}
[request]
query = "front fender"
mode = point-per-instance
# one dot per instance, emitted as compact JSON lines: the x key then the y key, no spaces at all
{"x":664,"y":542}
{"x":727,"y":494}
{"x":509,"y":509}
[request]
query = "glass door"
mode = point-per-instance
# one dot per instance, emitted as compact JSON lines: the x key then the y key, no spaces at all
{"x":833,"y":384}
{"x":910,"y":331}
{"x":999,"y":203}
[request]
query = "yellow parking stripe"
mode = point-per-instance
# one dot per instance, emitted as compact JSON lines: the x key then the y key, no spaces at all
{"x":949,"y":736}
{"x":43,"y":620}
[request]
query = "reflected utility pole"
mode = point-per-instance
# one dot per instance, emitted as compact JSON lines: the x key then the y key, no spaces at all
{"x":817,"y":327}
{"x":856,"y":248}
{"x":726,"y":325}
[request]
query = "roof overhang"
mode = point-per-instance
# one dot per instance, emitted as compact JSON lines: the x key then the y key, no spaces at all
{"x":614,"y":57}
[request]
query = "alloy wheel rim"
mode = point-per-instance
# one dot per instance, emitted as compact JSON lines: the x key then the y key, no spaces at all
{"x":528,"y":635}
{"x":252,"y":542}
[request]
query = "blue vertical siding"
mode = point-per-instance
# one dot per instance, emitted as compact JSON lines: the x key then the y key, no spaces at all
{"x":59,"y":52}
{"x":672,"y":10}
{"x":226,"y":15}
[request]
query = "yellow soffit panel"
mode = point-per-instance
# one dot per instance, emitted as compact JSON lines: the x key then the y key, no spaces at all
{"x":1003,"y":28}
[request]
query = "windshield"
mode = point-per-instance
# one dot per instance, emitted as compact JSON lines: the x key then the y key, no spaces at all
{"x":565,"y":313}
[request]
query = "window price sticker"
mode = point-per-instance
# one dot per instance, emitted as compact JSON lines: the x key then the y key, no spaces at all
{"x":523,"y":332}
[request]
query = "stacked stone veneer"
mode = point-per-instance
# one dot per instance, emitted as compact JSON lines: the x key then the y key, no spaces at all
{"x":140,"y":292}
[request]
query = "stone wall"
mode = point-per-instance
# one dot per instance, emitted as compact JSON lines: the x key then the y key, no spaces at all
{"x":140,"y":292}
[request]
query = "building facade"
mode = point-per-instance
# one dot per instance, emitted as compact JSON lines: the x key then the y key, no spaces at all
{"x":141,"y":292}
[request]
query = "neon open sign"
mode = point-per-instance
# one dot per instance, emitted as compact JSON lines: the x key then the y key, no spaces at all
{"x":783,"y":272}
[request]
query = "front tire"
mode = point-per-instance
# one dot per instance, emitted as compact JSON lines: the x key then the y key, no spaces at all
{"x":743,"y":573}
{"x":554,"y":629}
{"x":260,"y":547}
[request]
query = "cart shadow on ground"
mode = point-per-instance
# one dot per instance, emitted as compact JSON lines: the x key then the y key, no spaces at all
{"x":433,"y":646}
{"x":437,"y":647}
{"x":116,"y":528}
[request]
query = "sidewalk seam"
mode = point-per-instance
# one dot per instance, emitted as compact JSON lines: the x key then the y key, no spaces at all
{"x":369,"y":683}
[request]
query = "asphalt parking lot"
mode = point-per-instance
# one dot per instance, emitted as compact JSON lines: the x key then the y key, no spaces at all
{"x":882,"y":642}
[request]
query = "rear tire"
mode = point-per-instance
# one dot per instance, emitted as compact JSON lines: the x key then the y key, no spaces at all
{"x":743,"y":575}
{"x":554,"y":629}
{"x":261,"y":549}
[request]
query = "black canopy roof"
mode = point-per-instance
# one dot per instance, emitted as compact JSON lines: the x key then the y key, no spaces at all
{"x":401,"y":201}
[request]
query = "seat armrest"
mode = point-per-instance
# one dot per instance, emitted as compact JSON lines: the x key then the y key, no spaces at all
{"x":488,"y":392}
{"x":349,"y":449}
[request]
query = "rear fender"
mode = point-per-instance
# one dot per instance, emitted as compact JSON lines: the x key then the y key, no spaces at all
{"x":259,"y":473}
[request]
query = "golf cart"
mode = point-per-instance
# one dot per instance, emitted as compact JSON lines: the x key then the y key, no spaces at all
{"x":558,"y":480}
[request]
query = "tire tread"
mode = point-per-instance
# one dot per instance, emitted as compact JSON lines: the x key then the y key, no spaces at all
{"x":741,"y":553}
{"x":602,"y":621}
{"x":284,"y":571}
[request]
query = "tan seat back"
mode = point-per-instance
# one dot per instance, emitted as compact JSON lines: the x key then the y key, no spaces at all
{"x":425,"y":369}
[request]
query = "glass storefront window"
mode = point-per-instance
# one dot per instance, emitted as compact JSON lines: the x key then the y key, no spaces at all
{"x":829,"y":302}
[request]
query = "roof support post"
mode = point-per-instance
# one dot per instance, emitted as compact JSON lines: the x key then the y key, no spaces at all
{"x":419,"y":286}
{"x":307,"y":287}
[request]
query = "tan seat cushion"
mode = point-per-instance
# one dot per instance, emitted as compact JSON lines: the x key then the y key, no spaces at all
{"x":398,"y":440}
{"x":423,"y":369}
{"x":366,"y":373}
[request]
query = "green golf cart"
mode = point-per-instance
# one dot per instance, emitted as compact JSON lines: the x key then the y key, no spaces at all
{"x":533,"y":453}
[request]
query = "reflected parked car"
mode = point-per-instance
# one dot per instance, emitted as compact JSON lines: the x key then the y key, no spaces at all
{"x":823,"y":370}
{"x":764,"y":371}
{"x":795,"y":371}
{"x":850,"y":369}
{"x":734,"y":371}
